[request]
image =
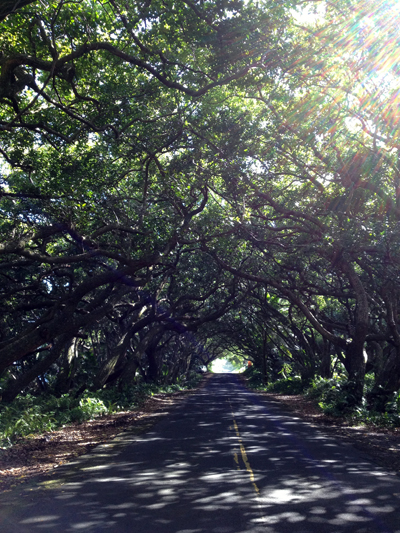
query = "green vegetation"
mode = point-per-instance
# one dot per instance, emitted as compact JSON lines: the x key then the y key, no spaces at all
{"x":181,"y":180}
{"x":29,"y":415}
{"x":332,"y":396}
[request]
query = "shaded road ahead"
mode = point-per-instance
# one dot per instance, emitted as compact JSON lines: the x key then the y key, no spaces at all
{"x":224,"y":461}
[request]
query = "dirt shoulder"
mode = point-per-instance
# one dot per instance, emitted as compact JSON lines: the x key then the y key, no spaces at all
{"x":381,"y":444}
{"x":31,"y":458}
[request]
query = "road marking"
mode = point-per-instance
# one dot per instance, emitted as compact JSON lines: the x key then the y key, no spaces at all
{"x":246,"y":462}
{"x":249,"y":469}
{"x":236,"y":459}
{"x":244,"y":455}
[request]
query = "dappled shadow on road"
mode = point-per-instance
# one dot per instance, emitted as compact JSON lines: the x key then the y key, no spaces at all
{"x":226,"y":462}
{"x":310,"y":482}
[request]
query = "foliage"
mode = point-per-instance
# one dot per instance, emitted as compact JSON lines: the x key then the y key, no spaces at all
{"x":182,"y":180}
{"x":254,"y":378}
{"x":389,"y":418}
{"x":331,"y":394}
{"x":332,"y":397}
{"x":30,"y":415}
{"x":290,"y":386}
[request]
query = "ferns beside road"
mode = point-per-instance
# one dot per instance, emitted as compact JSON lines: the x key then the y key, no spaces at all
{"x":31,"y":415}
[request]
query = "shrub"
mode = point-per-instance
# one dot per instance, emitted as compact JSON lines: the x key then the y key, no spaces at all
{"x":92,"y":407}
{"x":254,"y":378}
{"x":14,"y":425}
{"x":333,"y":395}
{"x":334,"y":398}
{"x":288,"y":386}
{"x":34,"y":415}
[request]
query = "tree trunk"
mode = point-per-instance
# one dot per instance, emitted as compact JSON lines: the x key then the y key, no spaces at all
{"x":18,"y":385}
{"x":153,"y":372}
{"x":355,"y":360}
{"x":387,"y":381}
{"x":59,"y":321}
{"x":109,"y":366}
{"x":129,"y":371}
{"x":68,"y":366}
{"x":325,"y":370}
{"x":264,"y":358}
{"x":355,"y":366}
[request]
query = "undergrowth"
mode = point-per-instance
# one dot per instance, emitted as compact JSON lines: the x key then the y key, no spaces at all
{"x":32,"y":415}
{"x":332,"y":397}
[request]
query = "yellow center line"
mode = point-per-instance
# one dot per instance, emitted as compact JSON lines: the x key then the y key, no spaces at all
{"x":236,"y":459}
{"x":244,"y":454}
{"x":235,"y":426}
{"x":249,"y":469}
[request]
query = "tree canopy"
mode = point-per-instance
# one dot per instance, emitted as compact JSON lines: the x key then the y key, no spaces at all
{"x":180,"y":180}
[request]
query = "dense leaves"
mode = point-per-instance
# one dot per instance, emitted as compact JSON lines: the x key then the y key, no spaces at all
{"x":185,"y":180}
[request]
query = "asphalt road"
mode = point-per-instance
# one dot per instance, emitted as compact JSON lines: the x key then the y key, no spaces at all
{"x":224,"y":461}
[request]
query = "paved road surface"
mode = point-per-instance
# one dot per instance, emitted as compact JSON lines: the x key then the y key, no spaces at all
{"x":224,"y":461}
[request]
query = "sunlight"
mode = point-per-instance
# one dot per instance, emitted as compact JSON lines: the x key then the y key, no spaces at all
{"x":310,"y":14}
{"x":372,"y":36}
{"x":369,"y":35}
{"x":223,"y":366}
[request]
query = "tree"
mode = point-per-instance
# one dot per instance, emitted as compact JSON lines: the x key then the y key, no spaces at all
{"x":10,"y":6}
{"x":221,"y":169}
